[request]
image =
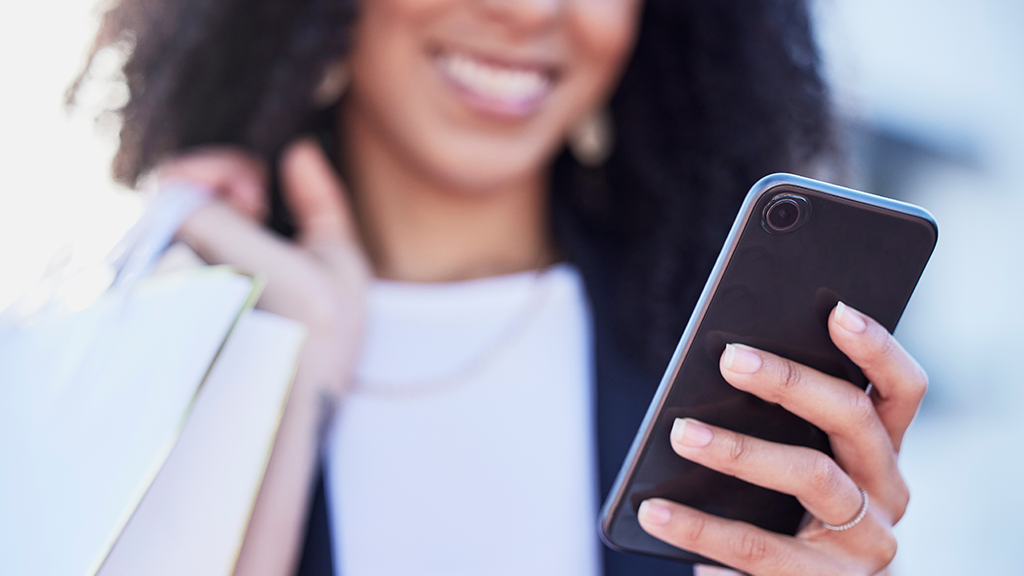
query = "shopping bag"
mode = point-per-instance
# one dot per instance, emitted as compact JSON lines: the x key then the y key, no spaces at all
{"x":95,"y":397}
{"x":192,"y":519}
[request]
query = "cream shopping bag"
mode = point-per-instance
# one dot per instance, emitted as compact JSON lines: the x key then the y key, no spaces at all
{"x":164,"y":391}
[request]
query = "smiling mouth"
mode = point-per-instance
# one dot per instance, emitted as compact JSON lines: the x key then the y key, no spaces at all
{"x":498,"y":88}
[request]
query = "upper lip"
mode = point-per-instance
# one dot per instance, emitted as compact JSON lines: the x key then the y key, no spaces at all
{"x":544,"y":66}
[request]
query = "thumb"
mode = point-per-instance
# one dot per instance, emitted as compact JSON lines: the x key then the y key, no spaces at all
{"x":316,"y":197}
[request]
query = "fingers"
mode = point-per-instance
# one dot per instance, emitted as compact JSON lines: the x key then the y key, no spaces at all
{"x":220,"y":235}
{"x":836,"y":406}
{"x":231,"y":173}
{"x":315,"y":195}
{"x":860,"y":443}
{"x":323,"y":214}
{"x":717,"y":538}
{"x":898,"y":381}
{"x":309,"y":281}
{"x":733,"y":543}
{"x":871,"y":545}
{"x":864,"y":430}
{"x":821,"y":486}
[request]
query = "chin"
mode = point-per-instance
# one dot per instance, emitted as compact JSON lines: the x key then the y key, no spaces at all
{"x":487,"y":165}
{"x":490,"y":176}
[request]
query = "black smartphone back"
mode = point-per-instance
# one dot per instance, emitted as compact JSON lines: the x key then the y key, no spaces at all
{"x":796,"y":249}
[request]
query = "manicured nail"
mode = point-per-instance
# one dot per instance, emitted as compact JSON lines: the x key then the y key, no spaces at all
{"x":849,"y":319}
{"x":741,"y":359}
{"x":689,"y":432}
{"x":654,"y":512}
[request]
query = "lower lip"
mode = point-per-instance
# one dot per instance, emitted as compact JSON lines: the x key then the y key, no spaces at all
{"x":496,"y":107}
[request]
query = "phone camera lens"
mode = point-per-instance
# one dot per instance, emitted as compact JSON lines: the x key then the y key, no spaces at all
{"x":785,"y":213}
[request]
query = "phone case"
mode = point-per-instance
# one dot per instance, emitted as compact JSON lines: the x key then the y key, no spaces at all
{"x":773,"y":291}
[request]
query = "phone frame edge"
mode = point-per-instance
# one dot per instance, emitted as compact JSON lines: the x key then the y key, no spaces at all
{"x":616,"y":493}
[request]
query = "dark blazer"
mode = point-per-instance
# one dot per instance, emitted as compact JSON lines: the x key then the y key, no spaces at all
{"x":624,"y":389}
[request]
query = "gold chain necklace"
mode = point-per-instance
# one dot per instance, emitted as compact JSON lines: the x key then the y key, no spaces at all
{"x":413,"y":389}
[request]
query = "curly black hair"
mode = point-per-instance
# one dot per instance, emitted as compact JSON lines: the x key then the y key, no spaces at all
{"x":715,"y":96}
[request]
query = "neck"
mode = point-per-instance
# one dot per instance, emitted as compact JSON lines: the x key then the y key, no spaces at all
{"x":416,"y":228}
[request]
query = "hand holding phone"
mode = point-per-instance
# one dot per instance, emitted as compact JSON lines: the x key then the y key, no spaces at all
{"x":763,"y":411}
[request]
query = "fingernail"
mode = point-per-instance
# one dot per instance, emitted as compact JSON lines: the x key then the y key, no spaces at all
{"x":849,"y":319}
{"x":740,"y":359}
{"x":654,"y":512}
{"x":689,"y":432}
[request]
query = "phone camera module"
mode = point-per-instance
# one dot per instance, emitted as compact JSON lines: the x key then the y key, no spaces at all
{"x":785,"y":213}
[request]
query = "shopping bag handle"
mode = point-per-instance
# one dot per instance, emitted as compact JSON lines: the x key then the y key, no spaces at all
{"x":122,"y":267}
{"x":140,"y":248}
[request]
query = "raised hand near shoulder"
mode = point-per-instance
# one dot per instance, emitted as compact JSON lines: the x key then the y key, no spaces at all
{"x":319,"y":278}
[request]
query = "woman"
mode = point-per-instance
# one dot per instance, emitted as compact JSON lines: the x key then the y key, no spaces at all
{"x":470,"y":287}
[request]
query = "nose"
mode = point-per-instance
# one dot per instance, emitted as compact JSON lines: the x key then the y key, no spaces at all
{"x":524,"y":14}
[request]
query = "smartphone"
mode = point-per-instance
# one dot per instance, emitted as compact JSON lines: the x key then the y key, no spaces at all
{"x":797,"y":247}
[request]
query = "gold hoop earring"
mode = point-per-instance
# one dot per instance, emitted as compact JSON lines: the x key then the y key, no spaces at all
{"x":332,"y":85}
{"x":592,"y":139}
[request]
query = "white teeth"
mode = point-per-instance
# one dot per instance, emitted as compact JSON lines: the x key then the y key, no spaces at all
{"x":491,"y":81}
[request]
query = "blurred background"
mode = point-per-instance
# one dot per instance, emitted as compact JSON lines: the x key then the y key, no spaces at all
{"x":931,"y":97}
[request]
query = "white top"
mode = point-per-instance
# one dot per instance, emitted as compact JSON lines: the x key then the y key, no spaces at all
{"x":467,"y":444}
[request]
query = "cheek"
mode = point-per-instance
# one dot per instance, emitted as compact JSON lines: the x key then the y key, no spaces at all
{"x":386,"y":47}
{"x":391,"y":81}
{"x":603,"y":34}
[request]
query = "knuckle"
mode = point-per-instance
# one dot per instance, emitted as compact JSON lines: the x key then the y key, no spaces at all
{"x":880,"y":351}
{"x":824,"y":476}
{"x":693,"y":532}
{"x":738,"y":447}
{"x":789,"y":379}
{"x":861,"y":413}
{"x":884,"y":550}
{"x":918,"y":385}
{"x":753,"y":548}
{"x":889,"y":347}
